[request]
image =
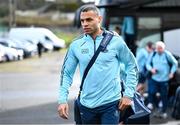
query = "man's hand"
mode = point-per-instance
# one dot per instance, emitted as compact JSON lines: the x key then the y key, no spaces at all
{"x":63,"y":110}
{"x":141,"y":88}
{"x":171,"y":75}
{"x":125,"y":102}
{"x":153,"y":71}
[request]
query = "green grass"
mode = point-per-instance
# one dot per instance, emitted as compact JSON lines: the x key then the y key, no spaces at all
{"x":67,"y":36}
{"x":33,"y":64}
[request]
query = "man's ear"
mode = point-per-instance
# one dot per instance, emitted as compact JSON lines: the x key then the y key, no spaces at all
{"x":100,"y":19}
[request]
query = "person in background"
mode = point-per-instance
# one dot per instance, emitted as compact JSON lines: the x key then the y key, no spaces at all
{"x":162,"y":66}
{"x":39,"y":46}
{"x":117,"y":30}
{"x":141,"y":57}
{"x":128,"y":32}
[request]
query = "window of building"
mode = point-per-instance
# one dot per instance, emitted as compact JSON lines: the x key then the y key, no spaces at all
{"x":148,"y":29}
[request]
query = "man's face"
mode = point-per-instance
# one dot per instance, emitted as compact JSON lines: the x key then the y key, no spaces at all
{"x":90,"y":22}
{"x":159,"y":49}
{"x":148,"y":49}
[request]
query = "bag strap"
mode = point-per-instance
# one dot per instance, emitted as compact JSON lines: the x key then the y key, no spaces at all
{"x":122,"y":88}
{"x":169,"y":63}
{"x":107,"y":38}
{"x":151,"y":63}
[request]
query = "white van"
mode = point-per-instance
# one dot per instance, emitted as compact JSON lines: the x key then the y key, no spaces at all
{"x":40,"y":34}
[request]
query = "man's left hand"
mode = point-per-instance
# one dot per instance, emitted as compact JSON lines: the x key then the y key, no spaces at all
{"x":171,"y":75}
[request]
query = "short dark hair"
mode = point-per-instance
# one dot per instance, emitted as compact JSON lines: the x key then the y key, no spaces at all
{"x":90,"y":7}
{"x":149,"y":44}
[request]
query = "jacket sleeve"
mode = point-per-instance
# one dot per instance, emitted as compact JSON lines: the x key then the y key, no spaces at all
{"x":131,"y":69}
{"x":67,"y":73}
{"x":139,"y":57}
{"x":173,"y":61}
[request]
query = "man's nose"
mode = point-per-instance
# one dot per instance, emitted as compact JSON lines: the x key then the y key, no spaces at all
{"x":85,"y":23}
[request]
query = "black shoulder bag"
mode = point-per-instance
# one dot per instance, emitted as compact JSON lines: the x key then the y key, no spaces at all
{"x":107,"y":38}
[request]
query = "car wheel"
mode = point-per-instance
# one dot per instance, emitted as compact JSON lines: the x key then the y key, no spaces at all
{"x":7,"y":58}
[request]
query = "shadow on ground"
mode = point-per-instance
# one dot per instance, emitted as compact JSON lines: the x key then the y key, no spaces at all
{"x":47,"y":114}
{"x":41,"y":114}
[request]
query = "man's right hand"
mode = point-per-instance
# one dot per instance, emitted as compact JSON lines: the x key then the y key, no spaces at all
{"x":124,"y":103}
{"x":153,"y":71}
{"x":63,"y":110}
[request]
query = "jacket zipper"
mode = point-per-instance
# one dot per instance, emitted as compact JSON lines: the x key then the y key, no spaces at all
{"x":94,"y":40}
{"x":94,"y":46}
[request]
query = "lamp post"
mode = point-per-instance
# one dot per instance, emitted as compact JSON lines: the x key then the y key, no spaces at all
{"x":12,"y":16}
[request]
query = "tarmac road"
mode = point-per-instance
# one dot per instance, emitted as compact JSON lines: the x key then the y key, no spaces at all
{"x":30,"y":96}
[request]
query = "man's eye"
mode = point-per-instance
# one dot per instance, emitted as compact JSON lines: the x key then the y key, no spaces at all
{"x":89,"y":20}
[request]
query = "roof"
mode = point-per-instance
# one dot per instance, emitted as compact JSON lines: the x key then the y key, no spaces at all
{"x":165,"y":3}
{"x":139,"y":3}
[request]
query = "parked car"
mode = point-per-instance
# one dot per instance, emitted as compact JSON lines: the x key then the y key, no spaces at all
{"x":11,"y":54}
{"x":2,"y":55}
{"x":28,"y":48}
{"x":9,"y":43}
{"x":39,"y":34}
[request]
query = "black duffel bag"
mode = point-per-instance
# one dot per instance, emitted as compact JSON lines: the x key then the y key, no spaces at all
{"x":137,"y":113}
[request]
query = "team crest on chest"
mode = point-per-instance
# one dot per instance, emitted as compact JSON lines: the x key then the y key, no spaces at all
{"x":85,"y":51}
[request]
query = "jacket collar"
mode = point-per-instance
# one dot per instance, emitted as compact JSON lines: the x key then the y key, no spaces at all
{"x":98,"y":36}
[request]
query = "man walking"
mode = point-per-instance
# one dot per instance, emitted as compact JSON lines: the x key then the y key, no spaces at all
{"x":142,"y":57}
{"x":162,"y":66}
{"x":100,"y":98}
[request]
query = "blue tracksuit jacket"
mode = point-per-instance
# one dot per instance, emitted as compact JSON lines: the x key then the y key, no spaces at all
{"x":160,"y":63}
{"x":102,"y":84}
{"x":141,"y":57}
